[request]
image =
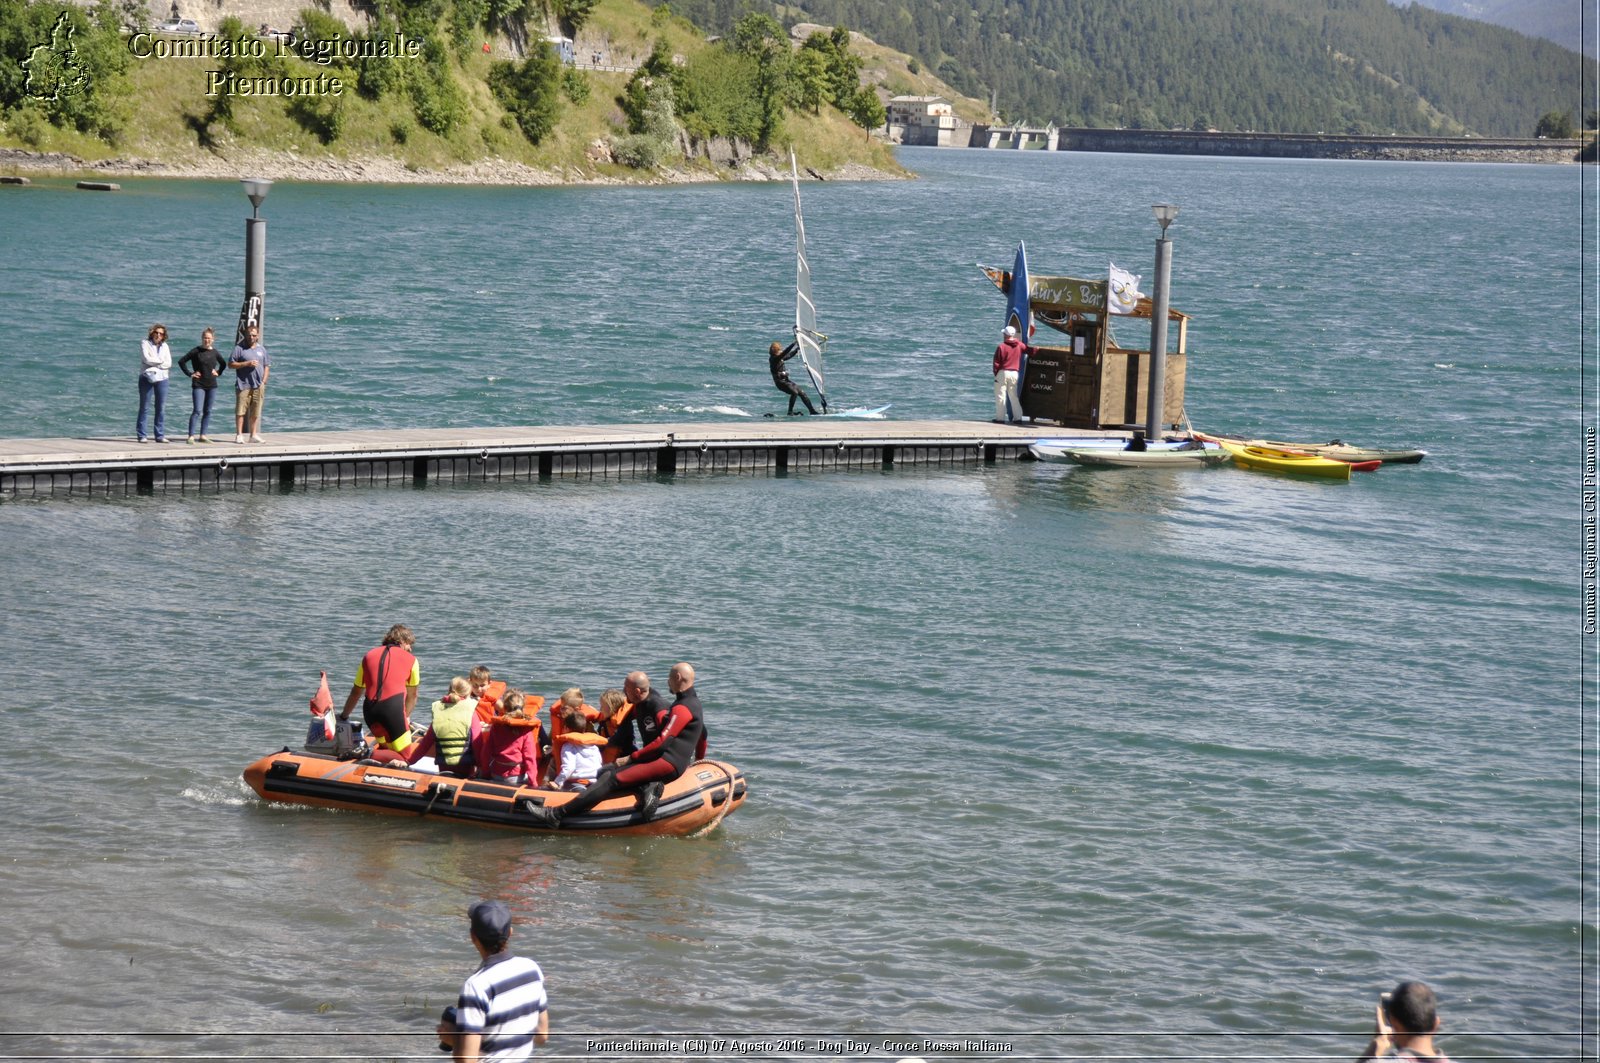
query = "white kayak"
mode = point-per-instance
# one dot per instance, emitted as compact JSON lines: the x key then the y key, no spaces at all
{"x":1063,"y":448}
{"x":1174,"y":457}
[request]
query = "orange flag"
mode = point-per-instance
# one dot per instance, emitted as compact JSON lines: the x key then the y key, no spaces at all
{"x":322,"y":701}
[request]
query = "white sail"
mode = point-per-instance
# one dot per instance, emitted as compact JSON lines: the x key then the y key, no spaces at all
{"x":805,"y":311}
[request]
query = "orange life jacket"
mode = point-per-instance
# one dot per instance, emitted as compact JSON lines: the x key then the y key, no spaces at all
{"x":610,"y":725}
{"x":576,"y":738}
{"x":503,"y":734}
{"x":489,"y":701}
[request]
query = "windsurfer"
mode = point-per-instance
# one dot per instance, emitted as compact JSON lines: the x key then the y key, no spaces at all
{"x":776,"y":356}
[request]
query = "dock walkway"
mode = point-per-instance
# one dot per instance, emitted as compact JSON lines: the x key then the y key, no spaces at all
{"x":410,"y":457}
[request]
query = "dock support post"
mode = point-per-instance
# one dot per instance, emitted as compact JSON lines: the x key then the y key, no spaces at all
{"x":1156,"y":396}
{"x":286,"y":476}
{"x":546,"y":465}
{"x":145,"y":481}
{"x":780,"y":457}
{"x":989,"y":451}
{"x":419,"y":472}
{"x":888,"y":457}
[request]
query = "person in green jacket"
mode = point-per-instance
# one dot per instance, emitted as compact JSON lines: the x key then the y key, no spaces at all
{"x":449,"y":737}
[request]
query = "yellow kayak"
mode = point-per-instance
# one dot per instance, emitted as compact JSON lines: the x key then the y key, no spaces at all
{"x":1274,"y":460}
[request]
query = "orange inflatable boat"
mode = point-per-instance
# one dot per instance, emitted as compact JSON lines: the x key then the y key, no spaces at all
{"x":693,"y":803}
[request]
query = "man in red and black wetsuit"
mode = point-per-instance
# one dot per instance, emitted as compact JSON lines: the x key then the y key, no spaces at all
{"x":388,"y":677}
{"x":679,"y":741}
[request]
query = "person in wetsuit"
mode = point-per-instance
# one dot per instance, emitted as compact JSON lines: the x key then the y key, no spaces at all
{"x":679,"y":740}
{"x":387,"y":678}
{"x":776,"y":356}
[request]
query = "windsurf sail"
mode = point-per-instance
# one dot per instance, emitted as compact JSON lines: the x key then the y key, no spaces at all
{"x":1019,"y":315}
{"x":805,"y":311}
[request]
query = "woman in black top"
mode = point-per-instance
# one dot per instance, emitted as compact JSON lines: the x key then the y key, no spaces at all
{"x":204,"y":366}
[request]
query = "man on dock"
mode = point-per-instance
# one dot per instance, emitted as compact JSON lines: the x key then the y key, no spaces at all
{"x":776,"y":356}
{"x":252,"y":364}
{"x":1007,"y":364}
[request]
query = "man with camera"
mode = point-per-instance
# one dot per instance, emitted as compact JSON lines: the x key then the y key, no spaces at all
{"x":1407,"y":1020}
{"x":502,"y":1011}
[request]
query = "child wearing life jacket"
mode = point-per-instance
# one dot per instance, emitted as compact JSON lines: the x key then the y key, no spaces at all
{"x":488,"y":690}
{"x":615,"y":713}
{"x":575,"y":749}
{"x":511,"y":747}
{"x":450,"y":737}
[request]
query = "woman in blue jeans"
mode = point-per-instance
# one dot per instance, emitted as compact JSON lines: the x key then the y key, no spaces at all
{"x":204,"y":366}
{"x":155,"y":366}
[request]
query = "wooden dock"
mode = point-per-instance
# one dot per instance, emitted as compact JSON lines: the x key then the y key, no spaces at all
{"x":407,"y":457}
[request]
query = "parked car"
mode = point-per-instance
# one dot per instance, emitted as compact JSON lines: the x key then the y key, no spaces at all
{"x":187,"y":27}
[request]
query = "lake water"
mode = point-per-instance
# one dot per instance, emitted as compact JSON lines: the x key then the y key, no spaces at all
{"x":1083,"y":764}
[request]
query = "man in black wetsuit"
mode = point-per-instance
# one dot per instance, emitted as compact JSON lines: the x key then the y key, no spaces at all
{"x":640,"y":728}
{"x":776,"y":356}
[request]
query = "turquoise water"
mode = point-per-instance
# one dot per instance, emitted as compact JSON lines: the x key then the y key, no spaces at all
{"x":1095,"y":763}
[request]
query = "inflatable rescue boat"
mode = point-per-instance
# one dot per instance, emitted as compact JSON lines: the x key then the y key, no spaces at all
{"x":693,"y":803}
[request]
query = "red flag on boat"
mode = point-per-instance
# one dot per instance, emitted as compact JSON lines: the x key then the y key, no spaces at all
{"x":322,"y":701}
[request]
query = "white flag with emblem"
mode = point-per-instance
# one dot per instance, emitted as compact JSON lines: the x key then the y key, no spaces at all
{"x":1122,"y":293}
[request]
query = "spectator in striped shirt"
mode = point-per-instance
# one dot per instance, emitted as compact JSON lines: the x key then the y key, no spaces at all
{"x":1407,"y":1021}
{"x":502,"y":1011}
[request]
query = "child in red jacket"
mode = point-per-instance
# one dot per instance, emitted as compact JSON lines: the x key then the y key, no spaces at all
{"x":511,"y":746}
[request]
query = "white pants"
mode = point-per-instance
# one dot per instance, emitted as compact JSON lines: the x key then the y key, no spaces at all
{"x":1005,"y":389}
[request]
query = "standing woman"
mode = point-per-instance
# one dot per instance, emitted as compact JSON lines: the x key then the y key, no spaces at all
{"x":204,"y":366}
{"x":155,"y":366}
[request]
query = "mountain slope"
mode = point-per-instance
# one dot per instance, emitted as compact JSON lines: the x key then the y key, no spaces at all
{"x":1554,"y":20}
{"x":1359,"y":66}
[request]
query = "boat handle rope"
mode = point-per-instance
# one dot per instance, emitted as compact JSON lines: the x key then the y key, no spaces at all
{"x":435,"y":791}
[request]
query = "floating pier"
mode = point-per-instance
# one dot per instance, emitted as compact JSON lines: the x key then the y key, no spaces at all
{"x":407,"y":457}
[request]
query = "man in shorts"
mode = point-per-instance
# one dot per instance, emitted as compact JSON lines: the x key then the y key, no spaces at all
{"x":252,"y":364}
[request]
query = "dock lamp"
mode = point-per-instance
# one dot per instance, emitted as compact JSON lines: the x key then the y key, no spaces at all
{"x":255,"y":258}
{"x":1156,"y":397}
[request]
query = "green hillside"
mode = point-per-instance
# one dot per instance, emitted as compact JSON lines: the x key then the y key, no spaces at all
{"x":1293,"y":66}
{"x":443,"y":98}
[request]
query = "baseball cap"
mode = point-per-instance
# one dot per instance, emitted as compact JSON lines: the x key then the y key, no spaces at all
{"x":1011,"y":330}
{"x":490,"y":920}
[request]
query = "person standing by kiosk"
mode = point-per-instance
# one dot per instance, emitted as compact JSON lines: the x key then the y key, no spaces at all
{"x":1007,"y":365}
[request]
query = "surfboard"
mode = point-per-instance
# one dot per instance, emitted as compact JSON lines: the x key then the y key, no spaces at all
{"x":858,"y":411}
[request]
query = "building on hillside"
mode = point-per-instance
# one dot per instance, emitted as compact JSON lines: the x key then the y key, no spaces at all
{"x":923,"y":120}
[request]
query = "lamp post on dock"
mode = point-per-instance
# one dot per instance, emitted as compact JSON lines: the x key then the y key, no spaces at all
{"x":255,"y":258}
{"x":1156,"y":397}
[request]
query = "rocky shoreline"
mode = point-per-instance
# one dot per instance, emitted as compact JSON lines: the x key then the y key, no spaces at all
{"x":290,"y":166}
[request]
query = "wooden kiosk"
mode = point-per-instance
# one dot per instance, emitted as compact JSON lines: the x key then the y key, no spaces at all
{"x":1092,"y":380}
